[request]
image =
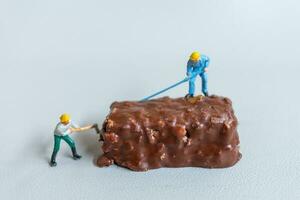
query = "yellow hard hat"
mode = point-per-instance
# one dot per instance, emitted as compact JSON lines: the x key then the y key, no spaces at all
{"x":195,"y":56}
{"x":64,"y":118}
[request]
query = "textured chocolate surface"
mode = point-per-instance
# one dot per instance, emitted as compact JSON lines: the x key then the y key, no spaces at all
{"x":166,"y":132}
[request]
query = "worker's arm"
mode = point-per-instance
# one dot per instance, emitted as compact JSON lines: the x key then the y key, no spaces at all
{"x":206,"y":63}
{"x":76,"y":128}
{"x":189,"y":69}
{"x":81,"y":128}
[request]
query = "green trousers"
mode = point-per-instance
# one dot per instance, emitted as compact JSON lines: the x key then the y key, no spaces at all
{"x":66,"y":138}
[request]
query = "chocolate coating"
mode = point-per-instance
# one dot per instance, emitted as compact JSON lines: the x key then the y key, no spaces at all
{"x":166,"y":132}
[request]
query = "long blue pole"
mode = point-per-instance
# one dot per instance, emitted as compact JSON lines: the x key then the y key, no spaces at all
{"x":168,"y":88}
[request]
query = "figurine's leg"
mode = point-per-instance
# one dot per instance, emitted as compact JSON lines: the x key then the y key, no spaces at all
{"x":191,"y":88}
{"x":204,"y":84}
{"x":55,"y":150}
{"x":71,"y":143}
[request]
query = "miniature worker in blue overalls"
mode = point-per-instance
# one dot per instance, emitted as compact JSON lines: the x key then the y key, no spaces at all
{"x":197,"y":64}
{"x":61,"y":132}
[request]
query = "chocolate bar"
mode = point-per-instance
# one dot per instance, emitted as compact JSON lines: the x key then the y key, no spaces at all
{"x":166,"y":132}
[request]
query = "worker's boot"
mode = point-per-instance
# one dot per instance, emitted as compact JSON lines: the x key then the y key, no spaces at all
{"x":189,"y":96}
{"x":75,"y":154}
{"x":53,"y":158}
{"x":206,"y":94}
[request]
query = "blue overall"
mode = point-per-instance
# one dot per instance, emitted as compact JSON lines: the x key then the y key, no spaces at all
{"x":198,"y":68}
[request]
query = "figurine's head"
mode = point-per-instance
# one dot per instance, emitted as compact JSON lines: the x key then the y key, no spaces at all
{"x":195,"y":56}
{"x":65,"y":118}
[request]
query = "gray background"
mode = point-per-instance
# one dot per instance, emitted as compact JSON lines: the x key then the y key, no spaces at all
{"x":79,"y":56}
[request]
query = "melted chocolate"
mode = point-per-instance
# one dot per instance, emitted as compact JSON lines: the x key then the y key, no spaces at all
{"x":166,"y":132}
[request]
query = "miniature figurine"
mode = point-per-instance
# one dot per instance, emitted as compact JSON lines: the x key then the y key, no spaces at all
{"x":62,"y":131}
{"x":197,"y":64}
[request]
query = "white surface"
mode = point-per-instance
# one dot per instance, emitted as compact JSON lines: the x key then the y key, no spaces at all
{"x":80,"y":56}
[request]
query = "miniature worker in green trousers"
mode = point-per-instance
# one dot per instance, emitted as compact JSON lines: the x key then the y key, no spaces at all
{"x":61,"y":132}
